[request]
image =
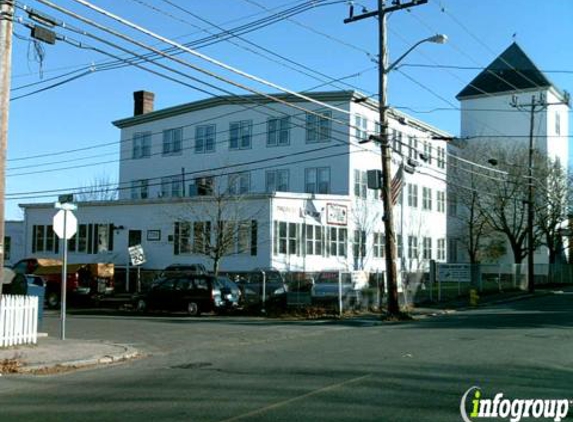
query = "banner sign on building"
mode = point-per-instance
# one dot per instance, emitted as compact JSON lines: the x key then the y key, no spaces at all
{"x":336,"y":214}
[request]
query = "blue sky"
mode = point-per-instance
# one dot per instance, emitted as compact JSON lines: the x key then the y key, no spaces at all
{"x":78,"y":114}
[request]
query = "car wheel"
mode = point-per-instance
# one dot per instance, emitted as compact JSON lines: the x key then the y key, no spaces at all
{"x":53,"y":300}
{"x":141,"y":305}
{"x":192,"y":309}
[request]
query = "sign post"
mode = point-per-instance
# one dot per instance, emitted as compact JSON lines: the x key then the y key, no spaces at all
{"x":137,"y":257}
{"x":65,"y":226}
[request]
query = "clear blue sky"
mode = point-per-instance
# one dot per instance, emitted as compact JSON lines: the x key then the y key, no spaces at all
{"x":78,"y":114}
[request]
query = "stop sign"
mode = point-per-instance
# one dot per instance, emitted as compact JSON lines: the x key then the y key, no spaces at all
{"x":71,"y":224}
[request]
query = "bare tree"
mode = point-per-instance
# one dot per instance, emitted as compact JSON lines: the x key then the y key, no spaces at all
{"x":365,"y":216}
{"x":217,"y":224}
{"x":102,"y":188}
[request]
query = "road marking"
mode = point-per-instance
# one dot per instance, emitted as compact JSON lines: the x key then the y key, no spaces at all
{"x":294,"y":399}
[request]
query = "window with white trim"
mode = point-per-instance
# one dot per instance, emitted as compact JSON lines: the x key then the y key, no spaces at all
{"x":379,"y":241}
{"x":141,"y":147}
{"x":172,"y":139}
{"x":278,"y":131}
{"x":317,"y":180}
{"x":441,"y":250}
{"x":412,"y":247}
{"x":361,"y":127}
{"x":360,"y":184}
{"x":239,"y":183}
{"x":426,"y":199}
{"x":412,"y":147}
{"x":428,"y":151}
{"x":427,"y":248}
{"x":441,"y":201}
{"x":412,"y":195}
{"x":140,"y":189}
{"x":172,"y":186}
{"x":277,"y":180}
{"x":338,"y":239}
{"x":318,"y":128}
{"x":205,"y":138}
{"x":441,"y":160}
{"x":314,"y":238}
{"x":240,"y":134}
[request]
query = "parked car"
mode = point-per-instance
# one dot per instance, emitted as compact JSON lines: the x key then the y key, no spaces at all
{"x":230,"y":292}
{"x":251,"y":285}
{"x":193,"y":294}
{"x":326,"y":288}
{"x":84,"y":281}
{"x":175,"y":270}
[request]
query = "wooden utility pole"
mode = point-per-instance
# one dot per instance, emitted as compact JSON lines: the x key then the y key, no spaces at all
{"x":383,"y":70}
{"x":6,"y":15}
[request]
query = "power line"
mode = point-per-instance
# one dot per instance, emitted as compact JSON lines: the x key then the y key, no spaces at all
{"x":459,"y":67}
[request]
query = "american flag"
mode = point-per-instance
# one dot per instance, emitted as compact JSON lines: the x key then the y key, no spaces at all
{"x":396,"y":185}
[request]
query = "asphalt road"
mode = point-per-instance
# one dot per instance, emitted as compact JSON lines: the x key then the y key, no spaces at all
{"x":240,"y":369}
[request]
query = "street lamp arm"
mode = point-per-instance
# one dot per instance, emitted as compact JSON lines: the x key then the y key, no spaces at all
{"x":437,"y":39}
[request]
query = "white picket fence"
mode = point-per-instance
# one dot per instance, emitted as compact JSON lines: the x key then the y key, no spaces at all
{"x":18,"y":320}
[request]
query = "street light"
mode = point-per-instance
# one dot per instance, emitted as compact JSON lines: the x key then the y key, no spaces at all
{"x":436,"y":39}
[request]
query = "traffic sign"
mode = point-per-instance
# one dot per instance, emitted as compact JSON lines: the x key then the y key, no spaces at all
{"x":136,"y":255}
{"x":70,"y":221}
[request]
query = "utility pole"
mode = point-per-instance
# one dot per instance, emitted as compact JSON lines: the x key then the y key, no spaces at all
{"x":535,"y":106}
{"x":6,"y":16}
{"x":390,"y":246}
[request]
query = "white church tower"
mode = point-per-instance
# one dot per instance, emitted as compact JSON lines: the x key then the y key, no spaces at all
{"x":487,"y":111}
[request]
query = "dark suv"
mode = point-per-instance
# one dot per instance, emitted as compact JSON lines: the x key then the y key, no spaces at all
{"x":190,"y":293}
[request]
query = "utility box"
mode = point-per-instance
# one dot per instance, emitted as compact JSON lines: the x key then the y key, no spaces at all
{"x":374,"y":179}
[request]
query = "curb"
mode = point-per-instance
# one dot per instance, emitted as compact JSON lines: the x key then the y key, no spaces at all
{"x":127,"y":354}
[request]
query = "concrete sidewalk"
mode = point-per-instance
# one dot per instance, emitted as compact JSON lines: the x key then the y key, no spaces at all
{"x":53,"y":355}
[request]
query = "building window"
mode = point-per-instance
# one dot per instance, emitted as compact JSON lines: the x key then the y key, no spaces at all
{"x":172,"y":186}
{"x":205,"y":138}
{"x":427,"y":248}
{"x":277,"y":181}
{"x":428,"y":151}
{"x":172,"y":139}
{"x":441,"y":201}
{"x":240,"y":134}
{"x":557,"y":123}
{"x":441,"y":160}
{"x":399,"y":246}
{"x":412,"y":147}
{"x":278,"y":131}
{"x":317,"y":180}
{"x":202,"y":186}
{"x":397,"y":141}
{"x":361,"y":127}
{"x":141,"y":145}
{"x":318,"y":128}
{"x":360,"y":184}
{"x":359,"y":245}
{"x":140,"y":189}
{"x":338,"y":238}
{"x":452,"y":205}
{"x":182,"y":238}
{"x":412,"y":195}
{"x":239,"y":183}
{"x":314,"y":240}
{"x":427,"y":199}
{"x":379,"y":242}
{"x":441,"y":250}
{"x":452,"y":250}
{"x":286,"y":238}
{"x":201,"y":236}
{"x":412,"y":247}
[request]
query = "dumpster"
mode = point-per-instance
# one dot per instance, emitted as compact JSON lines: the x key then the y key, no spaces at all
{"x":36,"y":287}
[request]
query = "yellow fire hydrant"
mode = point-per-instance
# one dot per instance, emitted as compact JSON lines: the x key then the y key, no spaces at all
{"x":474,"y":297}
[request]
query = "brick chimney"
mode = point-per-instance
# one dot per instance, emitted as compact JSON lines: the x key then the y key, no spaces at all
{"x":142,"y":102}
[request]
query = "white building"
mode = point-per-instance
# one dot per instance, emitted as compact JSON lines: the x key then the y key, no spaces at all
{"x":13,"y":242}
{"x":489,"y":115}
{"x":292,"y":182}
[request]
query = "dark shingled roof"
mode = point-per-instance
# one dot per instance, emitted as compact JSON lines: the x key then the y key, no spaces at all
{"x":512,"y":70}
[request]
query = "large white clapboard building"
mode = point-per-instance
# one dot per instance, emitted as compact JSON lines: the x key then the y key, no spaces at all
{"x":287,"y":178}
